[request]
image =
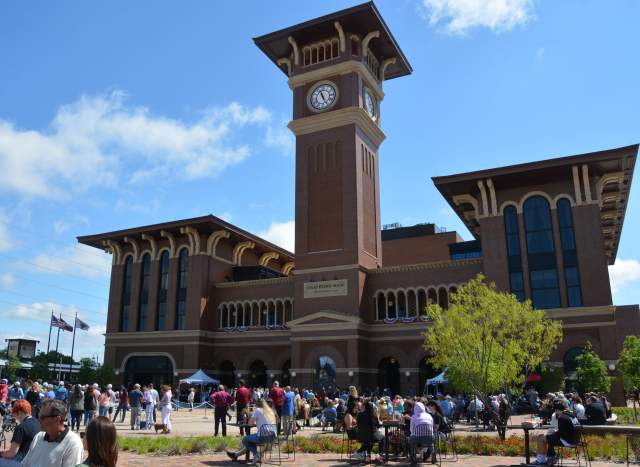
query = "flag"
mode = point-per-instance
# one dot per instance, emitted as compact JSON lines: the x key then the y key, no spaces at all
{"x":60,"y":323}
{"x":81,"y":325}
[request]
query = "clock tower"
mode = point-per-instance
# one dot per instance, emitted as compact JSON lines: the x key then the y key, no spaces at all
{"x":336,"y":65}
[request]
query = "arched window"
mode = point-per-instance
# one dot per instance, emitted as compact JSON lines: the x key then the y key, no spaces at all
{"x":143,"y":307}
{"x":391,"y":305}
{"x":541,"y":253}
{"x":569,"y":361}
{"x":163,"y":287}
{"x":513,"y":252}
{"x":569,"y":256}
{"x":183,"y":277}
{"x":326,"y":372}
{"x":126,"y":294}
{"x":381,"y":306}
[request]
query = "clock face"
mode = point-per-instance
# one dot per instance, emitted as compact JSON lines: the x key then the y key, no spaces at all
{"x":323,"y":96}
{"x":370,"y":104}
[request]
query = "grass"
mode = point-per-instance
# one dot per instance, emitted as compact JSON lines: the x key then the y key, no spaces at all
{"x":626,"y":415}
{"x":608,"y":447}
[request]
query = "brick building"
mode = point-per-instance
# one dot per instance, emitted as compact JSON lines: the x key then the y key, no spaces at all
{"x":347,"y":307}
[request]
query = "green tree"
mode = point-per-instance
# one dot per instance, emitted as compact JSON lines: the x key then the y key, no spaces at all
{"x":592,"y":372}
{"x":13,"y":365}
{"x":552,"y":379}
{"x":629,"y":362}
{"x":486,"y":338}
{"x":87,"y":373}
{"x":40,"y":369}
{"x":105,"y":375}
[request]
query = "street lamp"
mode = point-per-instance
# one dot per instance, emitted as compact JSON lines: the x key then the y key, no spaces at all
{"x":407,"y":374}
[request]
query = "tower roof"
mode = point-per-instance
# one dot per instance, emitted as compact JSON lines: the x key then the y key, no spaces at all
{"x":360,"y":19}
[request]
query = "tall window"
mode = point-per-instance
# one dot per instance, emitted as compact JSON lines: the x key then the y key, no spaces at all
{"x":569,"y":256}
{"x":126,"y":294}
{"x":541,"y":256}
{"x":143,"y":310}
{"x":161,"y":315}
{"x":182,"y":288}
{"x":513,"y":252}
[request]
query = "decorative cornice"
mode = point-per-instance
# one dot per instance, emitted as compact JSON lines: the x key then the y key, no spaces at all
{"x":273,"y":281}
{"x":423,"y":266}
{"x":338,"y":118}
{"x":134,"y":245}
{"x":269,"y":256}
{"x":239,"y":249}
{"x":153,"y":243}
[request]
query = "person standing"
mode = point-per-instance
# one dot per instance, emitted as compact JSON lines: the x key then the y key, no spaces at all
{"x":190,"y":398}
{"x":16,"y":393}
{"x":56,"y":445}
{"x":156,"y":400}
{"x":276,"y":394}
{"x":33,"y":397}
{"x":243,"y":396}
{"x":288,"y":410}
{"x":76,"y":407}
{"x":165,"y":403}
{"x":135,"y":402}
{"x":61,"y":392}
{"x":4,"y":390}
{"x":90,"y":405}
{"x":221,"y":401}
{"x":104,"y":399}
{"x":113,"y":400}
{"x":149,"y":407}
{"x":123,"y":404}
{"x":24,"y":433}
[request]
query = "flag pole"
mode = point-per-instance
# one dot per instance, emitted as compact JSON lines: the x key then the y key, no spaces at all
{"x":73,"y":343}
{"x":55,"y":365}
{"x":49,"y":341}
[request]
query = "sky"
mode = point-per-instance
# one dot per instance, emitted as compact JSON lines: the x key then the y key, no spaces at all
{"x":120,"y":114}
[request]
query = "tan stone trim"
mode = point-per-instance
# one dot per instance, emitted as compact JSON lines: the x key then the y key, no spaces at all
{"x":492,"y":193}
{"x":343,"y":42}
{"x":214,"y":238}
{"x":368,"y":38}
{"x":252,"y":334}
{"x":421,"y":266}
{"x":467,"y":198}
{"x":275,"y":280}
{"x":152,"y":243}
{"x":134,"y":245}
{"x":159,"y":344}
{"x":342,"y":68}
{"x":383,"y":66}
{"x":338,"y":118}
{"x":113,"y":247}
{"x":287,"y":267}
{"x":194,"y":239}
{"x":576,"y":184}
{"x":266,"y":257}
{"x":172,"y":242}
{"x":344,"y":267}
{"x":483,"y":195}
{"x":300,"y":322}
{"x":578,"y":312}
{"x":239,"y":249}
{"x":296,"y":50}
{"x":586,"y":182}
{"x":287,"y":62}
{"x":251,"y":344}
{"x":147,"y":354}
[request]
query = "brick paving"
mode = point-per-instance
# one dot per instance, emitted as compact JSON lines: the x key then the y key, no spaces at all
{"x":308,"y":460}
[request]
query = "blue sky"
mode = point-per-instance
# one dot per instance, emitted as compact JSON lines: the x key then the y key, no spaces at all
{"x":118,"y":114}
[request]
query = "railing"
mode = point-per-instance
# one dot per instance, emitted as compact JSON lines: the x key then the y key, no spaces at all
{"x":372,"y":63}
{"x":321,"y":51}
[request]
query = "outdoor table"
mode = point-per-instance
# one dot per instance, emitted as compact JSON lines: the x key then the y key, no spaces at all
{"x":386,"y":425}
{"x":527,"y":447}
{"x":626,"y":430}
{"x":247,"y":431}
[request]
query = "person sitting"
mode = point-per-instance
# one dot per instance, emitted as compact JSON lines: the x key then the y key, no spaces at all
{"x":24,"y":433}
{"x":368,"y":434}
{"x":101,"y":443}
{"x":567,"y":433}
{"x":595,"y":412}
{"x":56,"y":445}
{"x":423,"y":435}
{"x":350,"y":422}
{"x":264,"y":418}
{"x":329,"y":415}
{"x":579,"y":410}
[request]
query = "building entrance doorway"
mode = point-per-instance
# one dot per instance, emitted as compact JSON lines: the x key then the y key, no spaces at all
{"x":389,"y":376}
{"x":258,"y":374}
{"x":326,"y":373}
{"x":156,"y":369}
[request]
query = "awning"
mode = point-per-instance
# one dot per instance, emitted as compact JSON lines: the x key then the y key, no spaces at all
{"x":200,"y":377}
{"x":440,"y":379}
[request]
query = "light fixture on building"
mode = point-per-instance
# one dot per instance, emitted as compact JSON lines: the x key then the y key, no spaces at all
{"x":612,"y":366}
{"x":239,"y":375}
{"x":407,"y":373}
{"x":271,"y":375}
{"x":175,"y":373}
{"x":350,"y":373}
{"x":293,"y":374}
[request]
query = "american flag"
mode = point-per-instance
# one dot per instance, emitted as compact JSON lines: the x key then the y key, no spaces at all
{"x":60,"y":323}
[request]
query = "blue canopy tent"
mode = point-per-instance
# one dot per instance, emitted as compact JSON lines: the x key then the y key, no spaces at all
{"x":202,"y":379}
{"x":436,"y":381}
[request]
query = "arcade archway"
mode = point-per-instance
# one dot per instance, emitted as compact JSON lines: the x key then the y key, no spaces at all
{"x":326,"y":372}
{"x":425,"y":371}
{"x":258,"y":374}
{"x":389,"y":376}
{"x":156,"y":369}
{"x":228,"y":374}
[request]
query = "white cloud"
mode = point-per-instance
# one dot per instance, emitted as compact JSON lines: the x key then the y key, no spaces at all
{"x":98,"y":140}
{"x":39,"y":311}
{"x":281,"y":233}
{"x":79,"y":260}
{"x":6,"y":242}
{"x":460,"y":15}
{"x":280,"y":137}
{"x":624,"y":273}
{"x":7,"y":280}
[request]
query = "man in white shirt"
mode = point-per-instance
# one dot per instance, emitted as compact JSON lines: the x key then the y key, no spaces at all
{"x":56,"y":445}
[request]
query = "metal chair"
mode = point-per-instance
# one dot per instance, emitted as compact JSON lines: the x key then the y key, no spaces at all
{"x":446,"y":444}
{"x":287,"y":437}
{"x":267,"y":439}
{"x":349,"y":437}
{"x":422,"y":437}
{"x":580,"y":445}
